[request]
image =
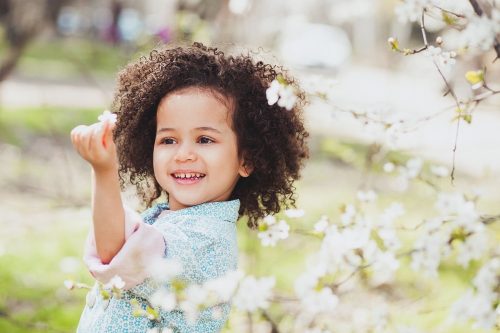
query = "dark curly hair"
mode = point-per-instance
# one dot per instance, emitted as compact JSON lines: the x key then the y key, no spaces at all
{"x":272,"y":139}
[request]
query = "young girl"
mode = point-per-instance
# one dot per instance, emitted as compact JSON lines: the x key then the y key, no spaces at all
{"x":195,"y":125}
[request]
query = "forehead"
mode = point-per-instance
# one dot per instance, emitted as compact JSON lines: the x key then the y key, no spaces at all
{"x":194,"y":105}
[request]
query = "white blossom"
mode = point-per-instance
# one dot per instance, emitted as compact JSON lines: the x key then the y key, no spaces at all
{"x":272,"y":93}
{"x":195,"y":297}
{"x":348,"y":214}
{"x":115,"y":282}
{"x":272,"y":232}
{"x":412,"y":168}
{"x":294,"y":213}
{"x":107,"y":116}
{"x":440,"y":171}
{"x":389,"y":167}
{"x":318,"y":86}
{"x":69,"y":284}
{"x":367,"y":196}
{"x":392,"y":212}
{"x":411,"y":10}
{"x":254,"y":293}
{"x":323,"y":301}
{"x":462,"y":7}
{"x":428,"y":251}
{"x":239,"y":7}
{"x":163,"y":269}
{"x":472,"y":248}
{"x":225,"y":286}
{"x":322,"y":224}
{"x":444,"y":59}
{"x":384,"y":267}
{"x":281,"y":93}
{"x":479,"y":33}
{"x":164,"y":299}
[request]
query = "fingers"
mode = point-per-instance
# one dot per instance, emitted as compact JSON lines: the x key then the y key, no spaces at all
{"x":107,"y":133}
{"x":86,"y":139}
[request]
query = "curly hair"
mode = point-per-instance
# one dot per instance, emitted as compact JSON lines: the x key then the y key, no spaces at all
{"x":272,"y":139}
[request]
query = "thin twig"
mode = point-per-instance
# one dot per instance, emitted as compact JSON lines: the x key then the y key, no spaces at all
{"x":422,"y":28}
{"x":457,"y":102}
{"x":489,"y":219}
{"x":479,"y":11}
{"x":274,"y":326}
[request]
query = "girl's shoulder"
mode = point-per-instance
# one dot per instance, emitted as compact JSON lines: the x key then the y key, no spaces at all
{"x":151,"y":214}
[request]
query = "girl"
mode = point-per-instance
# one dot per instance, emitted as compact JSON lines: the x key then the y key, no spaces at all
{"x":195,"y":125}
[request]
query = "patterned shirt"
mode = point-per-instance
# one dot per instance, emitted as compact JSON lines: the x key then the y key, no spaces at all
{"x":202,"y":238}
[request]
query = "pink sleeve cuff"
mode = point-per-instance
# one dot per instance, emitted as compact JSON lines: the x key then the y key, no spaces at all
{"x":143,"y":245}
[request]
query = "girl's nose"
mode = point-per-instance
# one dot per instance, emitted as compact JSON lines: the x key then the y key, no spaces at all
{"x":185,"y":153}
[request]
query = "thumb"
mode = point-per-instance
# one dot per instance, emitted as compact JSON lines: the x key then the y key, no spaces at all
{"x":107,"y":133}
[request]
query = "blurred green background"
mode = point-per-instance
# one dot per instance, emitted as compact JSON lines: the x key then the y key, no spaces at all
{"x":58,"y":62}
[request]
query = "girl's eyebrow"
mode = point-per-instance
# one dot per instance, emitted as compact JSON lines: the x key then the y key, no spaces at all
{"x":203,"y":128}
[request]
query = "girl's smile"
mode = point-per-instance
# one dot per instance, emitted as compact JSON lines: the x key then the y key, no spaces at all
{"x":195,"y":155}
{"x":187,"y":177}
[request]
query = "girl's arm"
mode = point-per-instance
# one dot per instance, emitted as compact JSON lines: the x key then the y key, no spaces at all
{"x":95,"y":144}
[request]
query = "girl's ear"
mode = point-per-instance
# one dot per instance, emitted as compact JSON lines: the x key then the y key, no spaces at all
{"x":245,"y":169}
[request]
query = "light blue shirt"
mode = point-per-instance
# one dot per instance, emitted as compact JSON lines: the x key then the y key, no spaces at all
{"x":203,"y":238}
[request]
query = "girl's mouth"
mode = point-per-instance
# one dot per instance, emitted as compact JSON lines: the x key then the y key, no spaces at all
{"x":187,"y":178}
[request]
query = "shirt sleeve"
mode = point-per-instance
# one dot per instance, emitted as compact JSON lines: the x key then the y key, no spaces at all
{"x":143,"y":244}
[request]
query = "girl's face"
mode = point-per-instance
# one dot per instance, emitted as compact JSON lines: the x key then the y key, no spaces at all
{"x":195,"y":156}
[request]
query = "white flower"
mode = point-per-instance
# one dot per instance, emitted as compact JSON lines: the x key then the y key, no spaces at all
{"x":319,"y":302}
{"x":254,"y":293}
{"x":115,"y":282}
{"x":459,"y":7}
{"x":487,"y":277}
{"x":384,"y":267}
{"x":413,"y":168}
{"x":272,"y":93}
{"x":287,"y":98}
{"x":472,"y":248}
{"x":294,"y":213}
{"x":239,"y":7}
{"x":389,"y":167}
{"x":281,"y":93}
{"x":427,"y":253}
{"x":439,"y":171}
{"x":319,"y":86}
{"x":322,"y":224}
{"x":195,"y":297}
{"x":69,"y":284}
{"x":480,"y":33}
{"x":164,"y":299}
{"x":225,"y":286}
{"x":390,"y":238}
{"x":107,"y":116}
{"x":367,"y":196}
{"x":410,"y":10}
{"x":163,"y":269}
{"x":272,"y":231}
{"x":348,"y":215}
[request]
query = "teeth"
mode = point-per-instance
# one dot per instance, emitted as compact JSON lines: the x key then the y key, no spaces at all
{"x":188,"y":175}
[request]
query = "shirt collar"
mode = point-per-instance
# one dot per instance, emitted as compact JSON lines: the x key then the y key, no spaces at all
{"x":221,"y":210}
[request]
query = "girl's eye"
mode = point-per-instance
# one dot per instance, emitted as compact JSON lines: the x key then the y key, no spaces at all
{"x":205,"y":140}
{"x":167,"y":141}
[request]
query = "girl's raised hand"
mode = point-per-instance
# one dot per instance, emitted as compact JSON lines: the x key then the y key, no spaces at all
{"x":95,"y":144}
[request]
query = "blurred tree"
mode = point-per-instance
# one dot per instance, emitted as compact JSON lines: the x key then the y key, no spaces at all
{"x":22,"y":22}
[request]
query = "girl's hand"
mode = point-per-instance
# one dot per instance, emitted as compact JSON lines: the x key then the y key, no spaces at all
{"x":95,"y":144}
